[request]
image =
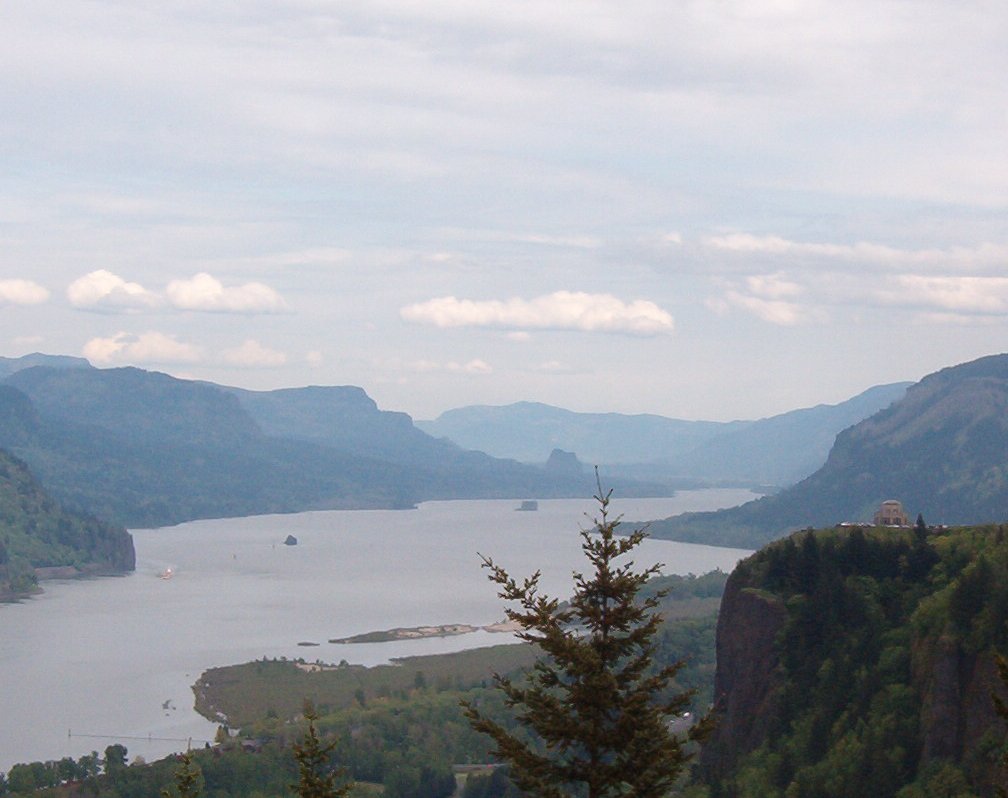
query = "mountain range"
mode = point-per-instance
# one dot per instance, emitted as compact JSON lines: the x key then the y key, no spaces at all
{"x":939,"y":450}
{"x":774,"y":451}
{"x":143,"y":448}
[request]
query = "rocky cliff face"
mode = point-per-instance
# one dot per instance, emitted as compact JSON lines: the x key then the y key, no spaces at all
{"x":748,"y":680}
{"x":848,"y":656}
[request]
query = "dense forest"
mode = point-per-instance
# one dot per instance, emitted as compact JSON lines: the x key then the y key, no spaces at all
{"x":36,"y":532}
{"x":852,"y":657}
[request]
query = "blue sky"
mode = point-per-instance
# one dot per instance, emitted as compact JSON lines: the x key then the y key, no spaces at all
{"x":704,"y":210}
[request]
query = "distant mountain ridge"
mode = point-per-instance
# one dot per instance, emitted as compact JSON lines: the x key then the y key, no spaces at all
{"x":778,"y":450}
{"x":146,"y":449}
{"x":940,"y":450}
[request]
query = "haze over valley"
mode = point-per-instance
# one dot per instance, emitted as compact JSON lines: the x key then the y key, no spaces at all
{"x":314,"y":316}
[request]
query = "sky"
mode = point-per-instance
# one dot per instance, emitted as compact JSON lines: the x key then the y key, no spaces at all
{"x":705,"y":210}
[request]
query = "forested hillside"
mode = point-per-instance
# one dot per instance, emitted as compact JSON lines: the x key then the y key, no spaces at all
{"x":939,"y":450}
{"x":861,"y":661}
{"x":35,"y":532}
{"x":146,"y":449}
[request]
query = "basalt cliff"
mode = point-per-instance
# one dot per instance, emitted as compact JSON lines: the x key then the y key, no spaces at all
{"x":862,"y":656}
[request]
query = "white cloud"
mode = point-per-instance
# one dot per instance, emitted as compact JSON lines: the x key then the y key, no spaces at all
{"x":984,"y":254}
{"x":774,"y":311}
{"x":562,"y":310}
{"x":953,"y":294}
{"x":555,"y":367}
{"x":772,"y":286}
{"x":148,"y":347}
{"x":205,"y":292}
{"x":254,"y":355}
{"x":103,"y":290}
{"x":314,"y":358}
{"x":474,"y":366}
{"x":941,"y":299}
{"x":22,"y":292}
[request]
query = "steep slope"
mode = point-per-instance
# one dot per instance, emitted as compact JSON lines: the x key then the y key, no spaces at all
{"x":778,"y":450}
{"x":861,"y":661}
{"x":940,"y":450}
{"x":783,"y":449}
{"x":347,"y":419}
{"x":147,"y":449}
{"x":36,"y":532}
{"x":344,"y":417}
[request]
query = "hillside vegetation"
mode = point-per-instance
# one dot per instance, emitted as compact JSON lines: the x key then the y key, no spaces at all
{"x":35,"y":532}
{"x":146,"y":449}
{"x":939,"y":450}
{"x":862,"y":659}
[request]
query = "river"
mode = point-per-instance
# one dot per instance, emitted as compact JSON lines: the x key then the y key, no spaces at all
{"x":91,"y":662}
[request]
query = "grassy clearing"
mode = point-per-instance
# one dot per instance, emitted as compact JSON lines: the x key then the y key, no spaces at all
{"x":278,"y":688}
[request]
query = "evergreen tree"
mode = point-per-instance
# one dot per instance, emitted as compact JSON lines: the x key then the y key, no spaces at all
{"x":188,"y":779}
{"x":317,"y":778}
{"x":1002,"y":709}
{"x":595,"y":701}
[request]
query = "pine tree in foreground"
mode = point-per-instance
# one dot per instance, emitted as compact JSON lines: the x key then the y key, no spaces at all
{"x":188,"y":779}
{"x":594,"y":700}
{"x":317,"y":777}
{"x":1001,"y":708}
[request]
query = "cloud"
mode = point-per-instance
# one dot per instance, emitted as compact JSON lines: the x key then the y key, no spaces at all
{"x":772,"y":286}
{"x":22,"y":292}
{"x":555,"y":367}
{"x":254,"y":355}
{"x":207,"y":293}
{"x":562,"y":310}
{"x":942,"y":299}
{"x":952,"y":294}
{"x":774,"y":311}
{"x":984,"y":254}
{"x":474,"y":366}
{"x":148,"y":347}
{"x":103,"y":290}
{"x":770,"y":297}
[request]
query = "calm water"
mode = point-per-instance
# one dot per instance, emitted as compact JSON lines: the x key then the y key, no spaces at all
{"x":89,"y":663}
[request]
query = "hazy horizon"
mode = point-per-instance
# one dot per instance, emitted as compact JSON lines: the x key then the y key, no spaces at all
{"x":698,"y":211}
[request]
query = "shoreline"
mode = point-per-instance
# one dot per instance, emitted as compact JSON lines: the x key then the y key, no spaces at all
{"x":423,"y":632}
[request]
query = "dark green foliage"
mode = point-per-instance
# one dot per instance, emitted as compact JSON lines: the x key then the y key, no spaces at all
{"x":1001,"y":708}
{"x":497,"y":784}
{"x":317,"y":778}
{"x":188,"y":779}
{"x":593,"y":701}
{"x":869,"y":614}
{"x":36,"y":532}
